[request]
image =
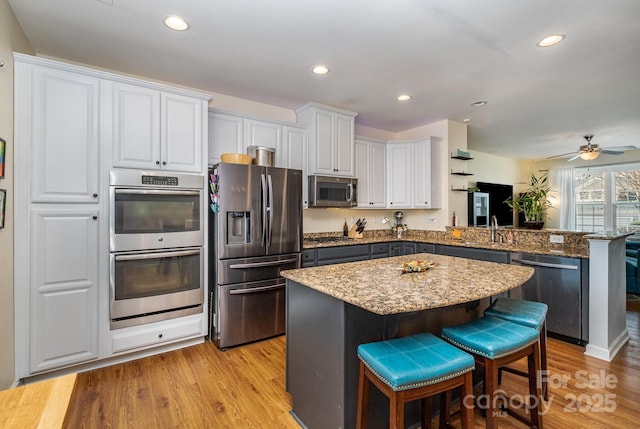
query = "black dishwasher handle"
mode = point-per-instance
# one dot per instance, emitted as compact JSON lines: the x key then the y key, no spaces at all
{"x":545,"y":264}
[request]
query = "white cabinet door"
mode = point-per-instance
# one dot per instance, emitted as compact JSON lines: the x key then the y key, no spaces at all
{"x":377,"y":175}
{"x":344,"y":144}
{"x":421,"y":160}
{"x":64,"y":136}
{"x":225,"y":135}
{"x":292,"y":153}
{"x":181,"y":133}
{"x":136,"y":127}
{"x":362,"y":173}
{"x":399,"y":190}
{"x":63,"y":327}
{"x":370,"y":167}
{"x":261,"y":133}
{"x":324,"y":143}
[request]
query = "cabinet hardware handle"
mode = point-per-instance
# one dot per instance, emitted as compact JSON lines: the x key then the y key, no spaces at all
{"x":94,"y":217}
{"x":157,"y":162}
{"x":164,"y":162}
{"x":160,"y":336}
{"x":95,"y":195}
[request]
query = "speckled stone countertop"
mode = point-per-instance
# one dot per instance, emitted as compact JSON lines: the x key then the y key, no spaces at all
{"x":527,"y":241}
{"x":379,"y":286}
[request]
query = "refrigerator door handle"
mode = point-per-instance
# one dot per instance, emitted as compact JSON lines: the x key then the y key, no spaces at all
{"x":264,"y":196}
{"x":255,"y":289}
{"x":262,"y":264}
{"x":270,"y":209}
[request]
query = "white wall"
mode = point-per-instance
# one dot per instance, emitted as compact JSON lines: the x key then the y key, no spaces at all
{"x":11,"y":39}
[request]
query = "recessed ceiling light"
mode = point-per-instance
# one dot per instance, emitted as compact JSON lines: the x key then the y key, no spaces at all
{"x":175,"y":22}
{"x":320,"y":69}
{"x":404,"y":97}
{"x":478,"y":103}
{"x":550,"y":40}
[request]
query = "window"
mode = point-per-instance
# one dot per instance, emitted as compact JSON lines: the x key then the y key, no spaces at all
{"x":608,"y":198}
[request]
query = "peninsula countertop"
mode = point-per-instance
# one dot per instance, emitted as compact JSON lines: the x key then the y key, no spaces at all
{"x":380,"y":287}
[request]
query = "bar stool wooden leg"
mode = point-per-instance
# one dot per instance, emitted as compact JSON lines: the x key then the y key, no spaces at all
{"x":363,"y":398}
{"x":543,"y":362}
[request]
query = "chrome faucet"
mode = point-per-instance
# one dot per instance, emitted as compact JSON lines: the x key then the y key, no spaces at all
{"x":494,"y":228}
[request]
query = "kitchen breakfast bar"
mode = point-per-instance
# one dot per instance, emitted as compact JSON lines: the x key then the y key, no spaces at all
{"x":332,"y":309}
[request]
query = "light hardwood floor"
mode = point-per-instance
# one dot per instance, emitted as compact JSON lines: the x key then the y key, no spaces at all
{"x":244,"y":387}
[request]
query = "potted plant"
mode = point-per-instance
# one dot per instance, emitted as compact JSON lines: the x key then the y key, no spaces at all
{"x":532,"y":201}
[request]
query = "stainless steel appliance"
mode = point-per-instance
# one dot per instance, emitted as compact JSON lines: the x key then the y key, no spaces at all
{"x":331,"y":191}
{"x":157,"y":246}
{"x":561,"y":283}
{"x":255,"y":232}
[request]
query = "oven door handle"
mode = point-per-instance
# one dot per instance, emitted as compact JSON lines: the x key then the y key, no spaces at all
{"x":155,"y":192}
{"x":255,"y":289}
{"x":262,"y":264}
{"x":156,"y":255}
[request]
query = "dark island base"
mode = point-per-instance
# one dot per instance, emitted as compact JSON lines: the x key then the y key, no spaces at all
{"x":323,"y":334}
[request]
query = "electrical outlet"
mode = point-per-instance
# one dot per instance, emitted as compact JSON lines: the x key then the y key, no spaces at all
{"x":431,"y":219}
{"x":554,"y":238}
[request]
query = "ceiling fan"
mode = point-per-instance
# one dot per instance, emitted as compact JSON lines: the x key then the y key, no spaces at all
{"x":591,"y":151}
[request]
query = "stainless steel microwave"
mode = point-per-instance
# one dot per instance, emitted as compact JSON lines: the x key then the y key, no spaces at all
{"x":330,"y":191}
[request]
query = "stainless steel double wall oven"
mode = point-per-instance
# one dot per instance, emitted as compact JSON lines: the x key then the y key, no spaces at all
{"x":156,"y":244}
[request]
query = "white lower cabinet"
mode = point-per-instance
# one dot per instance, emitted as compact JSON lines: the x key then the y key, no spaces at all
{"x":64,"y":287}
{"x":168,"y":331}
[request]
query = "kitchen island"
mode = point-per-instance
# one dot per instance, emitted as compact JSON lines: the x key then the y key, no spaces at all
{"x":334,"y":308}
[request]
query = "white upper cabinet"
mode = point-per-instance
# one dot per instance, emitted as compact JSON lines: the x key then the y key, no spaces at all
{"x":225,"y":135}
{"x":156,"y":129}
{"x":261,"y":133}
{"x":411,"y":167}
{"x":181,"y":120}
{"x":370,"y":169}
{"x":61,"y":113}
{"x":331,"y":139}
{"x":399,"y":184}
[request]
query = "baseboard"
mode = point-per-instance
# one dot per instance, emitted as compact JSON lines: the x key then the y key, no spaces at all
{"x":609,"y":353}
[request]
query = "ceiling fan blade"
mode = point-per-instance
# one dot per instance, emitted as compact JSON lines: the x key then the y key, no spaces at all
{"x":611,"y":152}
{"x":561,"y":155}
{"x":574,"y":157}
{"x":620,"y":148}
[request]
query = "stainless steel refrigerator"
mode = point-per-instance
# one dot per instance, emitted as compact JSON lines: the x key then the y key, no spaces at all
{"x":255,"y":231}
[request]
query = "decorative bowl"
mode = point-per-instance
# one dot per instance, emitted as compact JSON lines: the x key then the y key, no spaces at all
{"x":235,"y":158}
{"x":416,"y":266}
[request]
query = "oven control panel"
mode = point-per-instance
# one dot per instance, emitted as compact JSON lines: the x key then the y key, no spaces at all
{"x":160,"y":180}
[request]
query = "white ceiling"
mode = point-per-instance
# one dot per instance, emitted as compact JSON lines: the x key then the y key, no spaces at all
{"x":445,"y":53}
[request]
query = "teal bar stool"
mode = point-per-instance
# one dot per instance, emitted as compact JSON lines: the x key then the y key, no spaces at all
{"x":410,"y":368}
{"x":494,"y":343}
{"x":528,"y":313}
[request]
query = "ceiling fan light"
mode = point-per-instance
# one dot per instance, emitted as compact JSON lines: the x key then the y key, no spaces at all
{"x":589,"y":156}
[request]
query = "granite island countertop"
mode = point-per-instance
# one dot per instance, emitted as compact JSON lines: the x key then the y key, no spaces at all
{"x":380,"y":287}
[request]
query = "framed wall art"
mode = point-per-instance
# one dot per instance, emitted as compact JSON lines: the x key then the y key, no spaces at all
{"x":3,"y":148}
{"x":3,"y":205}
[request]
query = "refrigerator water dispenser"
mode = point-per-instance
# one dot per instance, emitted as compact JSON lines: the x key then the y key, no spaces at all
{"x":238,"y":227}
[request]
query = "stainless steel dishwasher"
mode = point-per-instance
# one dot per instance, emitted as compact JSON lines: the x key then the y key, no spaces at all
{"x":561,"y":283}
